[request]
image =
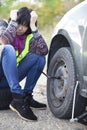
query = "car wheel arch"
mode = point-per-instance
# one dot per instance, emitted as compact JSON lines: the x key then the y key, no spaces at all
{"x":63,"y":38}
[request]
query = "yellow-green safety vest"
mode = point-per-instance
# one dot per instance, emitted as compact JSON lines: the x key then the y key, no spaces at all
{"x":25,"y":50}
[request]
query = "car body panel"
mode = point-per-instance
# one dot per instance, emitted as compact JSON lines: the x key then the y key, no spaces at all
{"x":73,"y":26}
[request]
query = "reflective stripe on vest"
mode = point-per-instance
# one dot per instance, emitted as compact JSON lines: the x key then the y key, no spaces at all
{"x":25,"y":50}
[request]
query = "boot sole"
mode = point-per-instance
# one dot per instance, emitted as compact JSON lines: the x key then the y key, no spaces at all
{"x":44,"y":108}
{"x":13,"y":109}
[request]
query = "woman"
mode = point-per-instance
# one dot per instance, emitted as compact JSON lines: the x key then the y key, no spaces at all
{"x":23,"y":36}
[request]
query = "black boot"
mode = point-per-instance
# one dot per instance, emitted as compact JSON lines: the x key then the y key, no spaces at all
{"x":33,"y":103}
{"x":20,"y":106}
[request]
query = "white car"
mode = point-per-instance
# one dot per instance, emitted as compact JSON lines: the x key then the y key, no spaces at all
{"x":67,"y":61}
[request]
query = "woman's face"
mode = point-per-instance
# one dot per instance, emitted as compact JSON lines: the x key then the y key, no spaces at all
{"x":21,"y":29}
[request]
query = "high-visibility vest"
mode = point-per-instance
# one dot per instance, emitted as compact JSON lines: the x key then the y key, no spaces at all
{"x":25,"y":50}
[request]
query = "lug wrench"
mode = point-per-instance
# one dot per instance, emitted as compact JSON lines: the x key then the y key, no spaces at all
{"x":53,"y":77}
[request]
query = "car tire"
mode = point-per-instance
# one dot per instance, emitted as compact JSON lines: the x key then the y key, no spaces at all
{"x":5,"y":98}
{"x":60,"y":91}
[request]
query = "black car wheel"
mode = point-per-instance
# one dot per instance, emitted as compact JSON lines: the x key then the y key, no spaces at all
{"x":5,"y":98}
{"x":60,"y":91}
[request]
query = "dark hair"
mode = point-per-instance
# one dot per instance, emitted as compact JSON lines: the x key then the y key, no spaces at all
{"x":23,"y":17}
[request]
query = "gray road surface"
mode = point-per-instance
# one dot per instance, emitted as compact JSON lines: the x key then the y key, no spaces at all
{"x":46,"y":121}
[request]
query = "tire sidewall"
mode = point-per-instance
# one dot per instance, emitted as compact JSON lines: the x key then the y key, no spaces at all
{"x":65,"y":55}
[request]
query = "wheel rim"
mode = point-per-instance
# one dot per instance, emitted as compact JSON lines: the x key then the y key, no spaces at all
{"x":59,"y":86}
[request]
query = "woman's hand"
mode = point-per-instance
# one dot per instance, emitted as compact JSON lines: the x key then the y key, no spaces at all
{"x":33,"y":20}
{"x":13,"y":15}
